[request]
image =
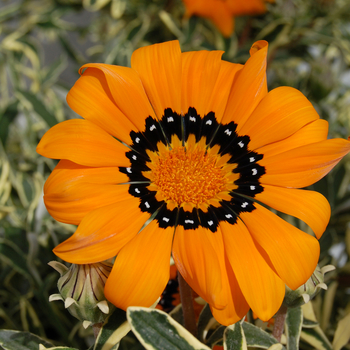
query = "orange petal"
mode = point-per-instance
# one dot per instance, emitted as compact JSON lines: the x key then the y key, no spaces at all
{"x":217,"y":11}
{"x":159,"y":67}
{"x":261,"y":287}
{"x":282,"y":112}
{"x":141,"y":270}
{"x":241,"y":8}
{"x":314,"y":132}
{"x":237,"y":306}
{"x":103,"y":232}
{"x":200,"y":71}
{"x":309,"y":206}
{"x":303,"y":166}
{"x":90,"y":97}
{"x":199,"y":264}
{"x":293,"y":253}
{"x":66,"y":174}
{"x":249,"y":88}
{"x":127,"y":92}
{"x":84,"y":143}
{"x":227,"y":74}
{"x":75,"y":202}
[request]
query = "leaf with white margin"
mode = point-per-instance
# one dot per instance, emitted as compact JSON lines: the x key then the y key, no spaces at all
{"x":342,"y":333}
{"x":294,"y":322}
{"x":156,"y":330}
{"x":16,"y":340}
{"x":258,"y":338}
{"x":234,"y":338}
{"x":112,"y":331}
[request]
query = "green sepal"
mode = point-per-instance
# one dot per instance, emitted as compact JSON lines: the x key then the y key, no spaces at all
{"x":156,"y":330}
{"x":294,"y":322}
{"x":258,"y":338}
{"x":234,"y":338}
{"x":16,"y":340}
{"x":113,"y":330}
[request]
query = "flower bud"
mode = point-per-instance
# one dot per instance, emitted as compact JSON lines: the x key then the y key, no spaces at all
{"x":307,"y":291}
{"x":81,"y":288}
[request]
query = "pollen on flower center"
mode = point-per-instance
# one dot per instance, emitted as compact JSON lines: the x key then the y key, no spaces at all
{"x":187,"y":176}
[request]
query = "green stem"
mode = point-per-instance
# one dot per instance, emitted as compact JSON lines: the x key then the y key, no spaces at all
{"x":187,"y":305}
{"x":279,"y":323}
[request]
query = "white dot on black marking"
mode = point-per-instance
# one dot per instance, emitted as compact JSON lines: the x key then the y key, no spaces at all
{"x":189,"y":222}
{"x":137,"y":140}
{"x":137,"y":190}
{"x":252,"y":159}
{"x":152,"y":127}
{"x":129,"y":170}
{"x":228,"y":216}
{"x":170,"y":119}
{"x":147,"y":205}
{"x":254,"y":171}
{"x":192,"y":119}
{"x":210,"y":223}
{"x":241,"y":144}
{"x":208,"y":122}
{"x":228,"y":132}
{"x":166,"y":219}
{"x":134,"y":157}
{"x":252,"y":188}
{"x":244,"y":204}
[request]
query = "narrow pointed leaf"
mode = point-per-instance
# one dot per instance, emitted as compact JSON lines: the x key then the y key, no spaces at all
{"x":258,"y":338}
{"x":316,"y":338}
{"x":157,"y":330}
{"x":342,"y":333}
{"x":16,"y":340}
{"x":113,"y":330}
{"x":294,"y":322}
{"x":234,"y":338}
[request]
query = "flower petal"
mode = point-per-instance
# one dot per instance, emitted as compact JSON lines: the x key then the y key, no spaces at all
{"x":261,"y":287}
{"x":200,"y":71}
{"x":90,"y":98}
{"x":303,"y":166}
{"x":241,"y":8}
{"x":281,"y":113}
{"x":103,"y":232}
{"x":73,"y":204}
{"x":309,"y":206}
{"x":84,"y":143}
{"x":141,"y":270}
{"x":249,"y":88}
{"x":218,"y":101}
{"x":237,"y":306}
{"x":159,"y":67}
{"x":125,"y":87}
{"x":293,"y":253}
{"x":199,"y":264}
{"x":314,"y":132}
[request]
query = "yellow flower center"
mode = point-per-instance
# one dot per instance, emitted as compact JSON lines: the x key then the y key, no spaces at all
{"x":190,"y":175}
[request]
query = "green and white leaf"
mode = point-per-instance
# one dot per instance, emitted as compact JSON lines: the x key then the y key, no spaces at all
{"x":294,"y":322}
{"x":205,"y":322}
{"x":16,"y":340}
{"x":234,"y":338}
{"x":316,"y":338}
{"x":113,"y":330}
{"x":258,"y":338}
{"x":342,"y":333}
{"x":156,"y":330}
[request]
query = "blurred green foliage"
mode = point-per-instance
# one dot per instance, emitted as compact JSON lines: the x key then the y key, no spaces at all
{"x":42,"y":45}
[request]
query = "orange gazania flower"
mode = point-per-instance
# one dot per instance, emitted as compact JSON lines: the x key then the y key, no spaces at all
{"x":222,"y":12}
{"x":193,"y":143}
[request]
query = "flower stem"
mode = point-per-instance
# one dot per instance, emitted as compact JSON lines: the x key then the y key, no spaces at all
{"x":279,"y":322}
{"x":187,"y":305}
